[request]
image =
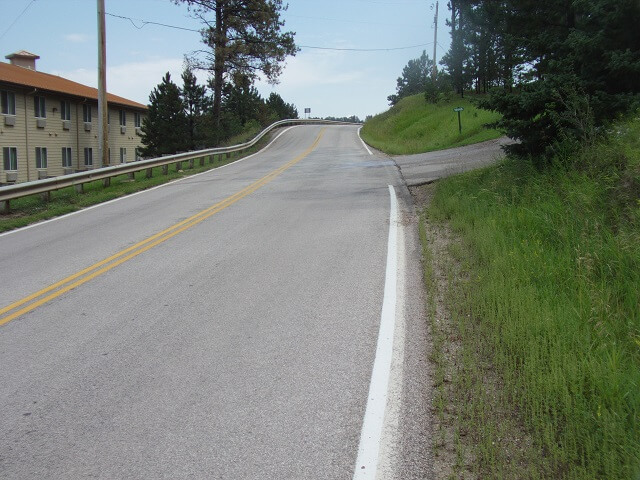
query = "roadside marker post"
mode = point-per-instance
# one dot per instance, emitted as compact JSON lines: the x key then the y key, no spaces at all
{"x":459,"y":109}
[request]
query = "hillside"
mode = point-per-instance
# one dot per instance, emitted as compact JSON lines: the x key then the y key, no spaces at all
{"x":415,"y":126}
{"x":532,"y":277}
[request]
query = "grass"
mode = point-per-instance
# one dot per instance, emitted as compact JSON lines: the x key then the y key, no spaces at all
{"x":415,"y":126}
{"x":548,"y":306}
{"x":31,"y":209}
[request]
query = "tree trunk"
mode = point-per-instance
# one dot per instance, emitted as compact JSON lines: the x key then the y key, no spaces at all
{"x":218,"y":67}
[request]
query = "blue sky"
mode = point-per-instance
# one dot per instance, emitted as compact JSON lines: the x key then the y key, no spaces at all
{"x":330,"y":82}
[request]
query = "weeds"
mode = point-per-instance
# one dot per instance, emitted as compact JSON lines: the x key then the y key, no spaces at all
{"x":552,"y":303}
{"x":416,"y":126}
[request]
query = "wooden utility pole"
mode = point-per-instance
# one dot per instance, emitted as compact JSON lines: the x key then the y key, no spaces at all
{"x":103,"y":122}
{"x":435,"y":42}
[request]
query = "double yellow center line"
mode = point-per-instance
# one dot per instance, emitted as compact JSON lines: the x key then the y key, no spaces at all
{"x":47,"y":294}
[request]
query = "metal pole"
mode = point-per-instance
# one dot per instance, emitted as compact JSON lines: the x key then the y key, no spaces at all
{"x":435,"y":42}
{"x":103,"y":123}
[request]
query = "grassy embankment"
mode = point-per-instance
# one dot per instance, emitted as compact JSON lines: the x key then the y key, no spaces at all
{"x":415,"y":126}
{"x":31,"y":209}
{"x":536,"y":361}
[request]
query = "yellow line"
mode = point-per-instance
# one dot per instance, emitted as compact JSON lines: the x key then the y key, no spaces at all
{"x":133,"y":251}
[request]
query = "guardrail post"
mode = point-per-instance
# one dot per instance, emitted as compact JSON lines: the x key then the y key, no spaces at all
{"x":178,"y":166}
{"x":106,"y":182}
{"x":191,"y":163}
{"x":149,"y":172}
{"x":45,"y":196}
{"x":228,"y":155}
{"x":211,"y":158}
{"x":5,"y":209}
{"x":165,"y":169}
{"x":132,"y":176}
{"x":202,"y":161}
{"x":79,"y":188}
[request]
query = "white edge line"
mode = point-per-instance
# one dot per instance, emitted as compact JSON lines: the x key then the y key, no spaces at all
{"x":27,"y":227}
{"x":370,"y":436}
{"x":364,"y":144}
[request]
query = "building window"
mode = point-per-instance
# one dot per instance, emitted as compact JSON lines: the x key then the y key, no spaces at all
{"x":65,"y":110}
{"x":123,"y":118}
{"x":123,"y":155}
{"x":88,"y":156}
{"x":136,"y":119}
{"x":7,"y":102}
{"x":40,"y":107}
{"x":10,"y":157}
{"x":66,"y":157}
{"x":86,"y":113}
{"x":41,"y":157}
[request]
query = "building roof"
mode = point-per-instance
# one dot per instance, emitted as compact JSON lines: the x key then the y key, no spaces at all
{"x":25,"y":77}
{"x":22,"y":54}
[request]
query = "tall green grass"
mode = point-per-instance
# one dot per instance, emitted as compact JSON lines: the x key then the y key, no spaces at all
{"x":553,"y":296}
{"x":415,"y":126}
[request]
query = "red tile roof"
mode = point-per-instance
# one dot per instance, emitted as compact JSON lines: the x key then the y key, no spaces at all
{"x":29,"y":78}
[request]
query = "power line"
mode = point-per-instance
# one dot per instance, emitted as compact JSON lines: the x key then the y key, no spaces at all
{"x":146,"y":22}
{"x":17,"y":18}
{"x":367,"y":49}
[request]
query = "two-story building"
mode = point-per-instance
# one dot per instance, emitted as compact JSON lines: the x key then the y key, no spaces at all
{"x":49,"y":125}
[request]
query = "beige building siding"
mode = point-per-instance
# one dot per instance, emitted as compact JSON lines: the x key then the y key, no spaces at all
{"x":25,"y":135}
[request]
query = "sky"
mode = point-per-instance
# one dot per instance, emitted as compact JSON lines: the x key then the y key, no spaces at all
{"x":331,"y":74}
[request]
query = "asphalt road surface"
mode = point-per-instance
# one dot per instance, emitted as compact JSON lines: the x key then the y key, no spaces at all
{"x":223,"y":326}
{"x":424,"y":168}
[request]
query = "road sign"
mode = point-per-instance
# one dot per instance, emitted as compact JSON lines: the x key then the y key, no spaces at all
{"x":459,"y":109}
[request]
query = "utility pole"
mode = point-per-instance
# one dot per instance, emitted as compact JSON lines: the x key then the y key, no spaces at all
{"x":103,"y":122}
{"x":435,"y":42}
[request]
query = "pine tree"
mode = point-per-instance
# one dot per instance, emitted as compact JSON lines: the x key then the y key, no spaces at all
{"x":580,"y":68}
{"x":415,"y":76}
{"x":195,"y":101}
{"x":164,"y":126}
{"x":243,"y":39}
{"x":280,"y":108}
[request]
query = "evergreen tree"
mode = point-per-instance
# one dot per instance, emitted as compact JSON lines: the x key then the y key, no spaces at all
{"x":280,"y":108}
{"x":164,"y":126}
{"x":415,"y":76}
{"x":243,"y":39}
{"x":243,"y":101}
{"x":195,"y":101}
{"x":580,"y":67}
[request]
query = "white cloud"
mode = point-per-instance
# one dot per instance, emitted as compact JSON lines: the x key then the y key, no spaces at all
{"x":77,"y":37}
{"x":318,"y":68}
{"x":133,"y":80}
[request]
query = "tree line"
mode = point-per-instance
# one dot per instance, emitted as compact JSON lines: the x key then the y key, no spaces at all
{"x":183,"y":119}
{"x":557,"y":71}
{"x":242,"y":39}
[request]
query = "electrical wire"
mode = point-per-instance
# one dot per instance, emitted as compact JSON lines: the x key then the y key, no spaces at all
{"x":367,"y":49}
{"x":17,"y":18}
{"x":146,"y":22}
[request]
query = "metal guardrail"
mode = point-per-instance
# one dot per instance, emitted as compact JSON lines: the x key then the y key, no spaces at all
{"x":12,"y":192}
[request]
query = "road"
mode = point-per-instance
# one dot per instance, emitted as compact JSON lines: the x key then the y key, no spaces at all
{"x":222,"y":326}
{"x":424,"y":168}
